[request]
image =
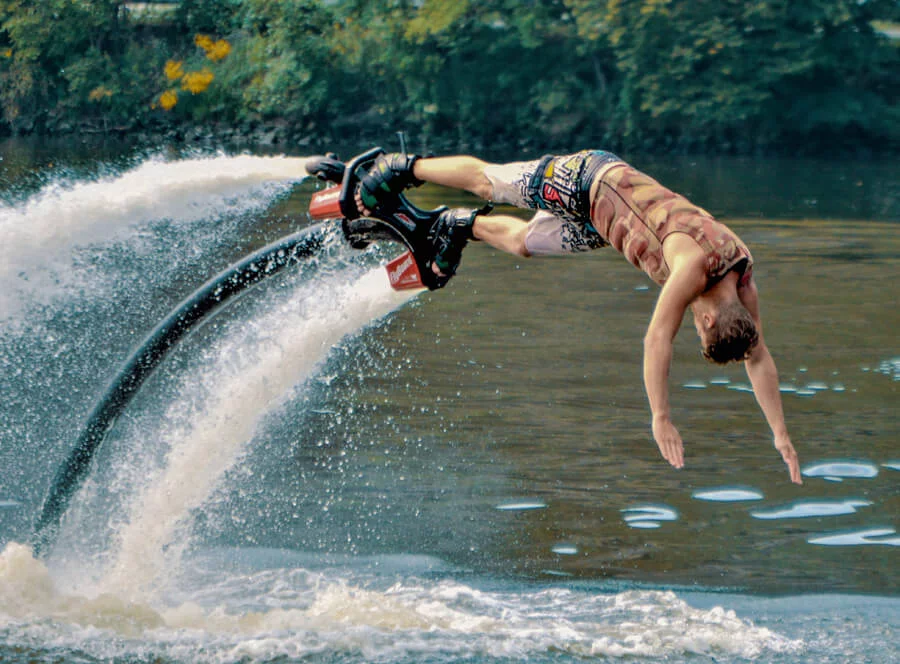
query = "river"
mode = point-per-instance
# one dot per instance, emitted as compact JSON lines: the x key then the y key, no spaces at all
{"x":331,"y":471}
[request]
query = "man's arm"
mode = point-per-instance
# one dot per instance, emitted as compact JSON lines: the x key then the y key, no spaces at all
{"x":684,"y":284}
{"x":764,"y":377}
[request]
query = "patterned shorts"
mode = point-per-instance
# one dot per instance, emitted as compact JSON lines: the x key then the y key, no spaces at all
{"x":559,"y":187}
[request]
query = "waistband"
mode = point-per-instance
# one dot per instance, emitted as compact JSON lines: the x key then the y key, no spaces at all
{"x":595,"y":161}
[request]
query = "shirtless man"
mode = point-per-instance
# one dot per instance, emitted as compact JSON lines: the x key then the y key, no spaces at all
{"x":591,"y":199}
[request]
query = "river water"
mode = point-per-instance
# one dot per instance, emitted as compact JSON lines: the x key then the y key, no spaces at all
{"x":332,"y":471}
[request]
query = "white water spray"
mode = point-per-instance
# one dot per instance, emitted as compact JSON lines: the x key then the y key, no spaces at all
{"x":40,"y":234}
{"x":252,"y":371}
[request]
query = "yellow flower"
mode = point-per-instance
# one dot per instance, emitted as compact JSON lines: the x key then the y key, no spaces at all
{"x":7,"y":52}
{"x":204,"y":41}
{"x":168,"y":99}
{"x":197,"y":81}
{"x":174,"y":70}
{"x":218,"y":51}
{"x":100,"y":93}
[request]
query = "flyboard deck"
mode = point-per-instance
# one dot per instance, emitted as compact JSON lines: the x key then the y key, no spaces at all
{"x":400,"y":221}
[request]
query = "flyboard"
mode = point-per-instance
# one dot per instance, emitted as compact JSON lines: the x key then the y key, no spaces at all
{"x":400,"y":222}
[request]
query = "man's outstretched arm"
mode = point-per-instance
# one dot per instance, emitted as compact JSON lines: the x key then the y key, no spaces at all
{"x":764,"y":378}
{"x":682,"y":287}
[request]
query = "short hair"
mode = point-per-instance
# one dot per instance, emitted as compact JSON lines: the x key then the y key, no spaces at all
{"x":733,"y":335}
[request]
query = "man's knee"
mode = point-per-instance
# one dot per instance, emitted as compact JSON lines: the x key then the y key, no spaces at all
{"x":481,"y":184}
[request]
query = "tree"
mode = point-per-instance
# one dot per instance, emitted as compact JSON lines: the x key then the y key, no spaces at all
{"x":741,"y":75}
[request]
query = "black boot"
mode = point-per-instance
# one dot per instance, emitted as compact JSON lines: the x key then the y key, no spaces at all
{"x":390,"y":175}
{"x":449,"y":236}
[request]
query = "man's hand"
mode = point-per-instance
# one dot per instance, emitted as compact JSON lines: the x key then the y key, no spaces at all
{"x":669,"y":441}
{"x":789,"y":454}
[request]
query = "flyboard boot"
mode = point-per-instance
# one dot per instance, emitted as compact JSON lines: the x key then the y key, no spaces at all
{"x":450,"y":235}
{"x":432,"y":237}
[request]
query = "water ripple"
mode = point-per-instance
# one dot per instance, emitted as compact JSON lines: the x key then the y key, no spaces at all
{"x":728,"y":495}
{"x":809,"y":508}
{"x":522,"y":506}
{"x":648,"y":516}
{"x":842,"y":469}
{"x":564,"y":550}
{"x":882,"y":536}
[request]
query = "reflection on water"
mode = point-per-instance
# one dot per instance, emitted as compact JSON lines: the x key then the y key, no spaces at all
{"x":841,"y":469}
{"x":874,"y":536}
{"x":564,"y":550}
{"x":648,"y":516}
{"x":806,"y":508}
{"x":728,"y":495}
{"x":890,"y":367}
{"x":520,"y":507}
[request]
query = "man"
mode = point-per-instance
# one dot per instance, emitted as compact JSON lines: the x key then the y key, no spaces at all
{"x":591,"y":199}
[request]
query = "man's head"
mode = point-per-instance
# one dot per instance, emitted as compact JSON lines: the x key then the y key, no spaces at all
{"x":727,"y":332}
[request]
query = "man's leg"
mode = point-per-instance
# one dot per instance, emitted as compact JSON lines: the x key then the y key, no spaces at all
{"x":503,"y":232}
{"x":461,"y":172}
{"x":510,"y":183}
{"x":545,"y":234}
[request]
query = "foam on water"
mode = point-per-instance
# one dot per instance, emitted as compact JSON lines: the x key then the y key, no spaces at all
{"x":294,"y":613}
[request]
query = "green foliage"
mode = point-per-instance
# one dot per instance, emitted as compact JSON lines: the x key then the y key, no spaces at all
{"x":206,"y":16}
{"x":710,"y":75}
{"x":751,"y":75}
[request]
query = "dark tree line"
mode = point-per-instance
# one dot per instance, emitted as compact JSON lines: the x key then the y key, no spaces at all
{"x":742,"y":76}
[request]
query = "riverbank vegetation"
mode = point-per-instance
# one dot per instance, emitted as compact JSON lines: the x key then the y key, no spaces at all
{"x":724,"y":76}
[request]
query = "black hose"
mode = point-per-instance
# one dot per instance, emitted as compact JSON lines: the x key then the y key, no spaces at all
{"x":260,"y":265}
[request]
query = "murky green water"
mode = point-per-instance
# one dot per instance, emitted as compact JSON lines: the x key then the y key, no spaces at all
{"x":481,"y":458}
